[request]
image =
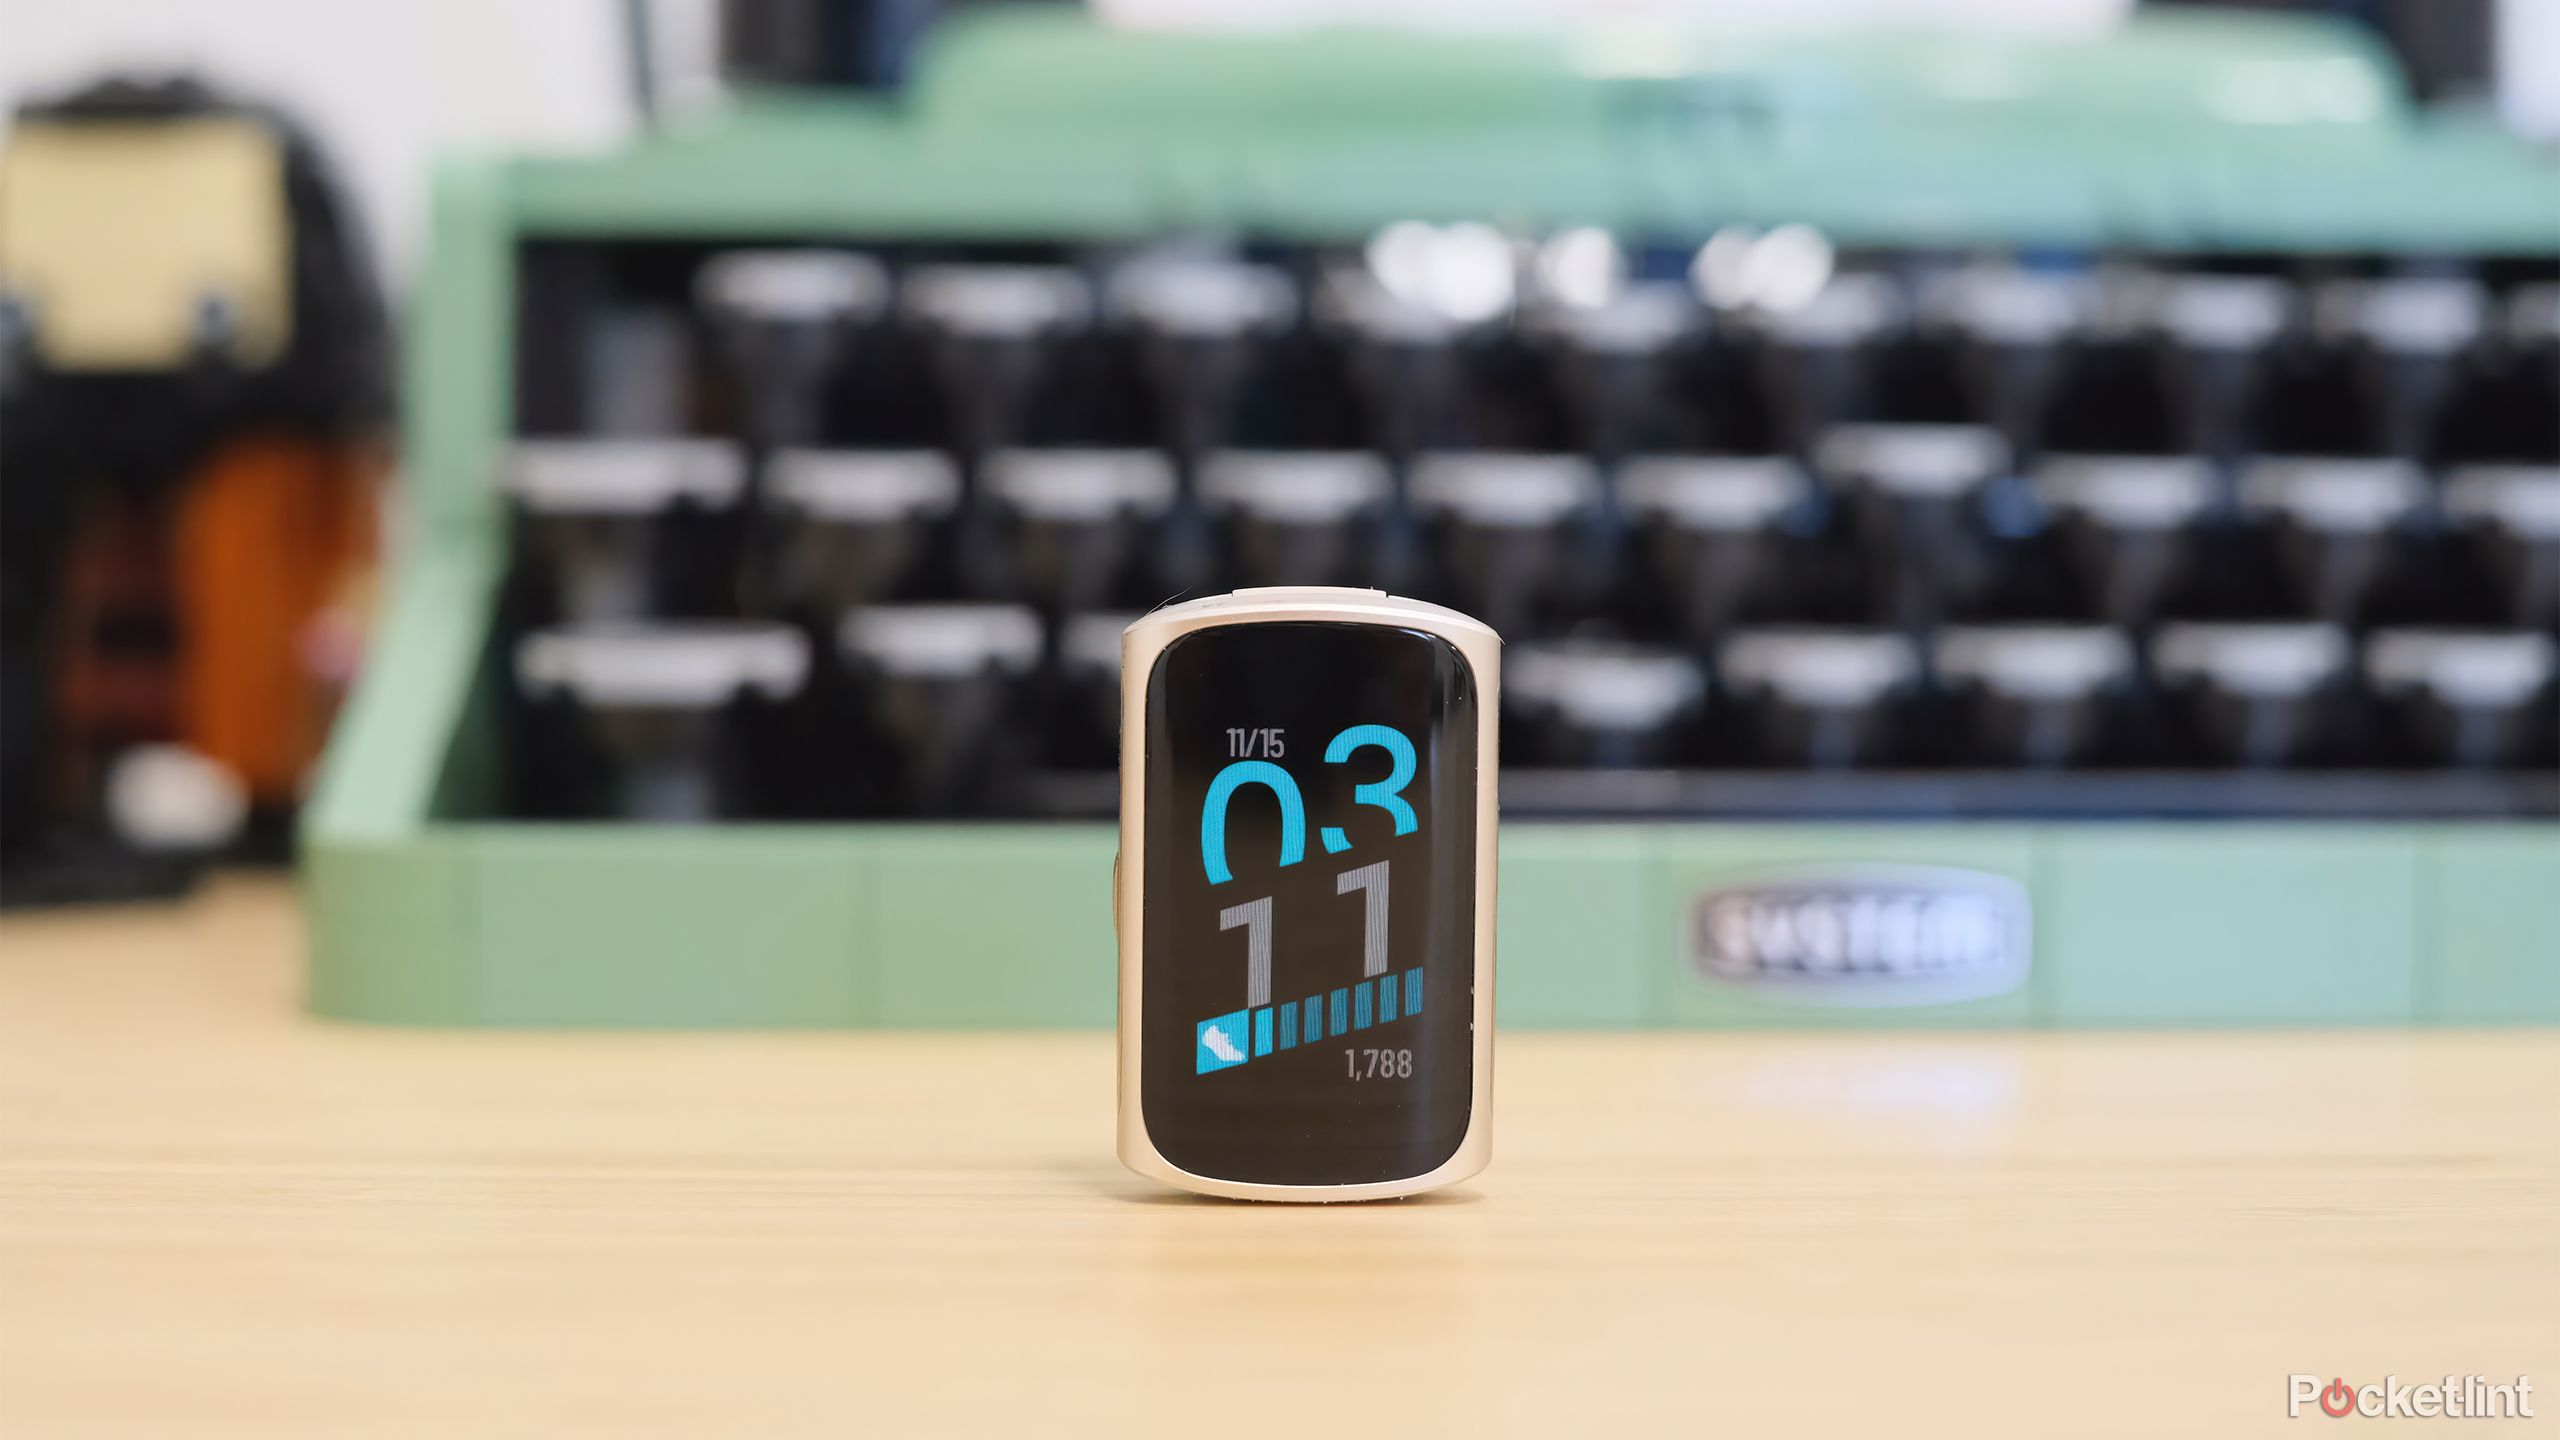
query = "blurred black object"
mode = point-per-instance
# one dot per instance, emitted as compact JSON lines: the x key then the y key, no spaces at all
{"x":1598,"y":705}
{"x":2012,"y":326}
{"x":828,"y":44}
{"x":656,"y":705}
{"x":942,"y":689}
{"x":2216,"y":330}
{"x":146,"y":428}
{"x":2337,"y":523}
{"x":2476,"y":699}
{"x":1616,"y":358}
{"x":1200,"y":319}
{"x":2040,"y":695}
{"x":1073,"y":522}
{"x":77,"y":441}
{"x":2131,"y":521}
{"x":1711,"y":528}
{"x":855,"y":525}
{"x":1818,"y":359}
{"x":1298,"y":517}
{"x":1820,"y":698}
{"x":997,"y":335}
{"x":1400,"y":358}
{"x":1087,"y":718}
{"x":784,"y":320}
{"x":1914,"y":492}
{"x":2447,"y":48}
{"x":2257,"y":695}
{"x":2510,"y":515}
{"x":1505,"y":526}
{"x":603,"y":523}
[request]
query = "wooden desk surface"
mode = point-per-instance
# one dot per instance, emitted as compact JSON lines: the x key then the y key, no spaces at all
{"x":220,"y":1218}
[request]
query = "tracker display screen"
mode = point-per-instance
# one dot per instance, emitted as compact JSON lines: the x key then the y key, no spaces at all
{"x":1309,"y":990}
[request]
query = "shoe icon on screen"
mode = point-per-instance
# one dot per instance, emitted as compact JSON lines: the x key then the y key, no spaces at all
{"x":1221,"y":1043}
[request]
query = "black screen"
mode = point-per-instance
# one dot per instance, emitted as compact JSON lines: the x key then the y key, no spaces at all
{"x":1309,"y":995}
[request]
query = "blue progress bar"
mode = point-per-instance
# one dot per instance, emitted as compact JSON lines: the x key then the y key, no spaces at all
{"x":1292,"y":1023}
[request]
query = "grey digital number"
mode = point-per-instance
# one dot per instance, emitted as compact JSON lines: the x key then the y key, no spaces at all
{"x":1255,"y":917}
{"x":1372,"y":880}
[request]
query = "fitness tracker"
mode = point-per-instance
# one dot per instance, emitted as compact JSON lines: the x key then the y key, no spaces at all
{"x":1305,"y":894}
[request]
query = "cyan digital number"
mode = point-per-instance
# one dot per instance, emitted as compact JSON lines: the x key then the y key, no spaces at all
{"x":1385,"y":794}
{"x":1222,"y":791}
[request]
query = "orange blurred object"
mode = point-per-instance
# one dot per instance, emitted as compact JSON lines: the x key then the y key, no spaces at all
{"x":270,"y":542}
{"x":267,"y":539}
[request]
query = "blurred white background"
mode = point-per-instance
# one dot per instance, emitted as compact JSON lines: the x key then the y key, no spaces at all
{"x":388,"y":84}
{"x":385,"y":85}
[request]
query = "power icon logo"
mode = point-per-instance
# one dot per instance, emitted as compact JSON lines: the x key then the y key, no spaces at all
{"x":2454,"y":1397}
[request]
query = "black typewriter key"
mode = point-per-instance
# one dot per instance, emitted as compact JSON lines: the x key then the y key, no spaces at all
{"x":1819,"y":698}
{"x":2498,"y":409}
{"x":2256,"y":695}
{"x":1075,"y":521}
{"x":2509,"y":515}
{"x":1712,"y":528}
{"x":2217,"y":330}
{"x":2338,"y":524}
{"x":654,"y":707}
{"x":784,"y":320}
{"x":1199,"y":319}
{"x":1915,"y":492}
{"x":2408,"y":335}
{"x":2035,"y":696}
{"x":1406,"y":315}
{"x":943,"y":688}
{"x":2012,"y":327}
{"x":855,"y":526}
{"x":1509,"y":530}
{"x":1600,"y":705}
{"x":993,"y":333}
{"x":2475,"y":699}
{"x":1819,"y":357}
{"x":611,"y":527}
{"x":1298,"y":517}
{"x":1615,"y":358}
{"x":2130,"y":523}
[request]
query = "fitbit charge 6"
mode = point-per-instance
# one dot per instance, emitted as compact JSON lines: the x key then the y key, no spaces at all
{"x":1305,"y":894}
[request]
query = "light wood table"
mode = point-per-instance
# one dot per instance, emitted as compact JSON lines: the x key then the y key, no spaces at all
{"x":218,"y":1217}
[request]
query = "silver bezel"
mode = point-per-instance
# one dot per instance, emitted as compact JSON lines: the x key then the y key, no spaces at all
{"x":1140,"y":644}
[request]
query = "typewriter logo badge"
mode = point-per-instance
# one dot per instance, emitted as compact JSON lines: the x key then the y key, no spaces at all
{"x":1865,"y":935}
